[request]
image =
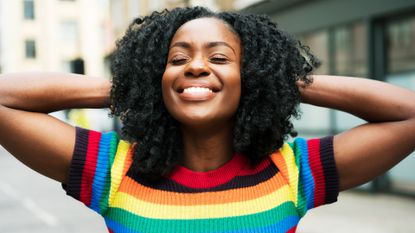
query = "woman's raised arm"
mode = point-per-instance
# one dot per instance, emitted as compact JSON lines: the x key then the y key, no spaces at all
{"x":364,"y":152}
{"x":40,"y":141}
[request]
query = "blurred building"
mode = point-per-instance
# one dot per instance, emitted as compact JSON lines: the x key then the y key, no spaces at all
{"x":53,"y":35}
{"x":56,"y":35}
{"x":365,"y":38}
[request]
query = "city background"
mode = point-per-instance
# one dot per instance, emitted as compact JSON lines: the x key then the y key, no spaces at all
{"x":364,"y":38}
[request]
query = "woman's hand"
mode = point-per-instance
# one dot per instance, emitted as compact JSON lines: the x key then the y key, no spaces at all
{"x":40,"y":141}
{"x":364,"y":152}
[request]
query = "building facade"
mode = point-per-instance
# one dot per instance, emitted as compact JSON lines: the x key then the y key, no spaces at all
{"x":57,"y":36}
{"x":364,"y":38}
{"x":51,"y":35}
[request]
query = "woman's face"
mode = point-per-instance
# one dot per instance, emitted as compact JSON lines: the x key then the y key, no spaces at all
{"x":201,"y":84}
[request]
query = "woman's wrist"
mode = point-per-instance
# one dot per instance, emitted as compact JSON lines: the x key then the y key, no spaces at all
{"x":100,"y":97}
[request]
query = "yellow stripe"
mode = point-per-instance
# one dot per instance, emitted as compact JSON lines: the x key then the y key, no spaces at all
{"x":118,"y":168}
{"x":292,"y":170}
{"x":158,"y":211}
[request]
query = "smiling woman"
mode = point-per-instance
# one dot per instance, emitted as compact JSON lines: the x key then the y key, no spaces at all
{"x":241,"y":60}
{"x":206,"y":100}
{"x":201,"y":89}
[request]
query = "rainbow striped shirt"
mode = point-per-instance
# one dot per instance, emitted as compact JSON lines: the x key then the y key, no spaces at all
{"x":237,"y":197}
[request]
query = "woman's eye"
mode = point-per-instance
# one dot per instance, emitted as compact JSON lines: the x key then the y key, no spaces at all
{"x":178,"y":61}
{"x":219,"y":59}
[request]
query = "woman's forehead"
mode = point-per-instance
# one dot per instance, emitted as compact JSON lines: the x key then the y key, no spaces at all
{"x":206,"y":30}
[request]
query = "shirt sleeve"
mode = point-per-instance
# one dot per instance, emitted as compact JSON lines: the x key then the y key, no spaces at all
{"x":98,"y":164}
{"x":311,"y":171}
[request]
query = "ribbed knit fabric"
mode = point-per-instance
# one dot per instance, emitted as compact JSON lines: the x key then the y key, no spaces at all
{"x":237,"y":197}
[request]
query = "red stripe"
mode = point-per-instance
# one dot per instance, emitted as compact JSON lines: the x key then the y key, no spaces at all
{"x":88,"y":172}
{"x":317,"y":171}
{"x":238,"y":166}
{"x":292,"y":230}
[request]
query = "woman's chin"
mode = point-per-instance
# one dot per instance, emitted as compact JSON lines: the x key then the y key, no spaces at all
{"x":202,"y":122}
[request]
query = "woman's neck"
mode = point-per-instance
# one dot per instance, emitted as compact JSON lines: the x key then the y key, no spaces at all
{"x":207,"y":149}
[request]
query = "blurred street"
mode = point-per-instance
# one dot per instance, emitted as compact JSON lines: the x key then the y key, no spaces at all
{"x":361,"y":212}
{"x":32,"y":203}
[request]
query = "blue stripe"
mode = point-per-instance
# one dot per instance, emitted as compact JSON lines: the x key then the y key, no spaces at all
{"x":101,"y":177}
{"x":118,"y":228}
{"x":281,"y":226}
{"x":306,"y":176}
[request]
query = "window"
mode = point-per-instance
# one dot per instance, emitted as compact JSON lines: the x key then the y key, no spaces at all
{"x":350,"y":50}
{"x":342,"y":49}
{"x":30,"y":49}
{"x":29,"y":9}
{"x":77,"y":66}
{"x":400,"y":37}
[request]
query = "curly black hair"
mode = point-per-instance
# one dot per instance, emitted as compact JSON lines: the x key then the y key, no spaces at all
{"x":272,"y":62}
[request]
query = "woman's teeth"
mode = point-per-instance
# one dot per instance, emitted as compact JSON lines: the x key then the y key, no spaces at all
{"x":196,"y":90}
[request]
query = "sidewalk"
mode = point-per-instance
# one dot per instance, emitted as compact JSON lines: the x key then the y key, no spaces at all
{"x":361,"y":212}
{"x":30,"y":202}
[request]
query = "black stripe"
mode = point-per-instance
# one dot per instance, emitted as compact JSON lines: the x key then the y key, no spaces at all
{"x":73,"y":188}
{"x":237,"y":182}
{"x":330,"y":171}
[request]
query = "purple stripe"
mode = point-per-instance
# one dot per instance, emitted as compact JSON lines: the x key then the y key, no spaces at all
{"x":73,"y":187}
{"x":330,"y":170}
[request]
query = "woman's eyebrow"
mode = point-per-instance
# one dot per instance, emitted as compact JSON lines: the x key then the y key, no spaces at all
{"x":181,"y":44}
{"x":218,"y":43}
{"x":208,"y":45}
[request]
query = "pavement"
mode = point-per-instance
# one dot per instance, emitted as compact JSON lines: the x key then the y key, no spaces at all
{"x":362,"y":212}
{"x":30,"y":202}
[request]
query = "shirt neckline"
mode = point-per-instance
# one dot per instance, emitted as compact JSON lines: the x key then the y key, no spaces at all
{"x":209,"y":179}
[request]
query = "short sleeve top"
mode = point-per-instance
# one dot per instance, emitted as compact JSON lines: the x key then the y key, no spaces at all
{"x":271,"y":196}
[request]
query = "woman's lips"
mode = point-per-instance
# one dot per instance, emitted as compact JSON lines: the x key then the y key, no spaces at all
{"x":197,"y":94}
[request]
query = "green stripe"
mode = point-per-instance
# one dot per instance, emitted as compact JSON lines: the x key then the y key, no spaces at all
{"x":301,"y":198}
{"x":262,"y":219}
{"x":113,"y":148}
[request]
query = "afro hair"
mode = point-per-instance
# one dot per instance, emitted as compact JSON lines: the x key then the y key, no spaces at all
{"x":272,"y":64}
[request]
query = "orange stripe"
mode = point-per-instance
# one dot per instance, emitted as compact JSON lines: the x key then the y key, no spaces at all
{"x":144,"y":193}
{"x":279,"y":161}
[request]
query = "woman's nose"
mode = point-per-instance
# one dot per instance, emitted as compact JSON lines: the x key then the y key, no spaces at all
{"x":197,"y":68}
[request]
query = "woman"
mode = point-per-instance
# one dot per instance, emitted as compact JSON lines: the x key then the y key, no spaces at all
{"x":206,"y":100}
